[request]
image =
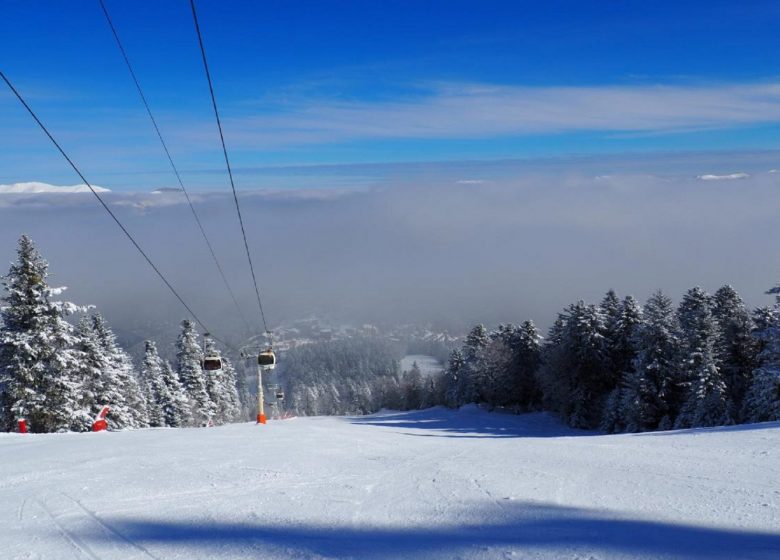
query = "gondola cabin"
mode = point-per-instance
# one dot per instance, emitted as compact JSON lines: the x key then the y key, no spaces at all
{"x":212,"y":363}
{"x":279,"y":396}
{"x":267,"y":359}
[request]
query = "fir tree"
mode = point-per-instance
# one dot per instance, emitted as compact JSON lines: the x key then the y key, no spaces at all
{"x":496,"y":379}
{"x":229,"y":402}
{"x":614,"y":363}
{"x":191,"y":375}
{"x":762,"y":401}
{"x":554,"y":394}
{"x":648,"y":395}
{"x":173,"y":401}
{"x":412,"y":388}
{"x":221,"y":388}
{"x":476,"y":340}
{"x":157,"y":394}
{"x":572,"y":374}
{"x":39,"y":366}
{"x":471,"y":378}
{"x":453,"y":373}
{"x":128,"y":408}
{"x":705,"y":403}
{"x":736,"y":348}
{"x":623,"y":350}
{"x":612,"y":417}
{"x":524,"y":344}
{"x":96,"y":386}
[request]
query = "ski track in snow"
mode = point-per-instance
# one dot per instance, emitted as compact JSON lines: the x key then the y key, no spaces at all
{"x":428,"y":484}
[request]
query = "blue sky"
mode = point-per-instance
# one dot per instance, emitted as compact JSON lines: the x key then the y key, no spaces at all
{"x":354,"y":83}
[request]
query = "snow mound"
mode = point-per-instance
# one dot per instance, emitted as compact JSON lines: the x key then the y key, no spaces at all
{"x":33,"y":187}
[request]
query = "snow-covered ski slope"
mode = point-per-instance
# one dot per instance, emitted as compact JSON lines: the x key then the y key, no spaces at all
{"x":428,"y":484}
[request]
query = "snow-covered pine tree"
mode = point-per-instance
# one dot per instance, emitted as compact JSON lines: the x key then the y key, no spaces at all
{"x":362,"y":397}
{"x":614,"y":364}
{"x":648,"y":393}
{"x":572,"y":373}
{"x":244,"y":399}
{"x":471,"y":378}
{"x":452,"y":378}
{"x":527,"y":357}
{"x":173,"y":401}
{"x":624,"y":351}
{"x":706,"y":400}
{"x":229,"y":409}
{"x":476,"y":340}
{"x":763,"y":317}
{"x":390,"y":392}
{"x":736,"y":348}
{"x":554,"y":393}
{"x":221,"y":388}
{"x":412,"y":388}
{"x":39,"y":365}
{"x":497,"y":379}
{"x":612,"y":416}
{"x":621,"y":322}
{"x":155,"y":389}
{"x":762,"y":401}
{"x":190,"y":371}
{"x":129,"y":411}
{"x":586,"y":345}
{"x":623,"y":409}
{"x":97,"y":387}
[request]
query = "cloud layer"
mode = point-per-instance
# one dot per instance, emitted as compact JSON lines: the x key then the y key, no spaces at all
{"x":483,"y":111}
{"x":34,"y":187}
{"x":509,"y":248}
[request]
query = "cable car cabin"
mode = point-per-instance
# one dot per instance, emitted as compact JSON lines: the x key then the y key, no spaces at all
{"x":212,"y":363}
{"x":267,"y":359}
{"x":279,"y":396}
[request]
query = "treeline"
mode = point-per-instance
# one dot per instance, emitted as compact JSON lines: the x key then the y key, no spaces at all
{"x":58,"y":376}
{"x":623,"y":368}
{"x":350,"y":376}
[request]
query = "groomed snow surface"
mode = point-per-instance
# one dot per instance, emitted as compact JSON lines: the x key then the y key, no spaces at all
{"x":427,"y":484}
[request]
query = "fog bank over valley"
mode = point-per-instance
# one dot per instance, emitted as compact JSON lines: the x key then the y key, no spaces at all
{"x":444,"y":249}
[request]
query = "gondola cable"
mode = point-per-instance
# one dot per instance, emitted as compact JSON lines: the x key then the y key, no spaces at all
{"x":172,"y":164}
{"x":106,"y":207}
{"x":227,"y":163}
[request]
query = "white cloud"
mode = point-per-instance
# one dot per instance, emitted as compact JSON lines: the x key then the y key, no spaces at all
{"x":728,"y":177}
{"x":483,"y":111}
{"x":34,"y":187}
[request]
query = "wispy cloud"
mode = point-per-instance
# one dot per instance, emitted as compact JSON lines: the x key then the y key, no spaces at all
{"x":726,"y":177}
{"x":34,"y":187}
{"x":42,"y":195}
{"x":481,"y":111}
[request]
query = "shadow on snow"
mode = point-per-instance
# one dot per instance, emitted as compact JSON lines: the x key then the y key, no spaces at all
{"x":529,"y":527}
{"x":716,"y":429}
{"x":472,"y":422}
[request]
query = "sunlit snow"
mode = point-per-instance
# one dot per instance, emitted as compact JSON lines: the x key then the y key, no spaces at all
{"x":428,"y":484}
